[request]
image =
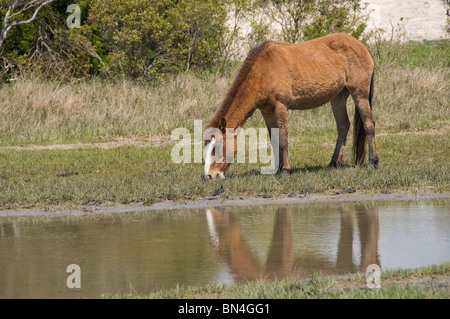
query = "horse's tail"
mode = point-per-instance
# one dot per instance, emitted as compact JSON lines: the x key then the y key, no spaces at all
{"x":359,"y":133}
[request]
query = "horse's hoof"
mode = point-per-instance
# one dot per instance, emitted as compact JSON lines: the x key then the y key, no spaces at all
{"x":373,"y":164}
{"x":286,"y":172}
{"x":332,"y":165}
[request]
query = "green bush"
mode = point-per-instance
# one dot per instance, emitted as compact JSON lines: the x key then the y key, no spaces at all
{"x":147,"y":39}
{"x":300,"y":20}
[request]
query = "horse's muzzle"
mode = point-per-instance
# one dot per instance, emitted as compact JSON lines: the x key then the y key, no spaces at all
{"x":209,"y":176}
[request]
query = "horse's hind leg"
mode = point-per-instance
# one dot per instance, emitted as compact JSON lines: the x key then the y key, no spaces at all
{"x":277,"y":117}
{"x":365,"y":111}
{"x":360,"y":86}
{"x":339,"y":107}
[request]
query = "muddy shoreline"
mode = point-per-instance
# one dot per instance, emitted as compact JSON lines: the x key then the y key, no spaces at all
{"x":214,"y":201}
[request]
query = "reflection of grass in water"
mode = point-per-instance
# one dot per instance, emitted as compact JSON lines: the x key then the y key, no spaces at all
{"x":107,"y":218}
{"x":147,"y":175}
{"x":397,"y":284}
{"x":140,"y":248}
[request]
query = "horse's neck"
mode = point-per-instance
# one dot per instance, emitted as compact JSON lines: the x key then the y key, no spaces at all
{"x":240,"y":109}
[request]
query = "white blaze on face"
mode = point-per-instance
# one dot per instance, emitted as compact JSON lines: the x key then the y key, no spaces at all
{"x":209,"y":156}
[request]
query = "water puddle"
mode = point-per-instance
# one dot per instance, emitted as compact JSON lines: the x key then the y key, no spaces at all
{"x":142,"y":252}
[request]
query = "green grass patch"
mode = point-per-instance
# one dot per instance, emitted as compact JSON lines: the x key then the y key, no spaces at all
{"x":413,"y":54}
{"x":147,"y":175}
{"x":397,"y":284}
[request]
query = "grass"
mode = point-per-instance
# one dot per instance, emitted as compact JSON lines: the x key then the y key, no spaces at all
{"x":410,"y":106}
{"x":411,"y":92}
{"x":44,"y":112}
{"x":398,"y":284}
{"x":146,"y":175}
{"x":412,"y":54}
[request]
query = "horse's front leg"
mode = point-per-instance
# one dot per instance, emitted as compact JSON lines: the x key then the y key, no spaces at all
{"x":339,"y":107}
{"x":278,"y":119}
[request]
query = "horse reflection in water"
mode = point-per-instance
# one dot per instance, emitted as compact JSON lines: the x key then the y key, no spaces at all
{"x":228,"y":244}
{"x":367,"y":220}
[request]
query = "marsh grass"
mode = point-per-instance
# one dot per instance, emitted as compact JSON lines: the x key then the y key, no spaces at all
{"x":411,"y":54}
{"x":42,"y":112}
{"x":132,"y":174}
{"x":411,"y":93}
{"x":397,"y":284}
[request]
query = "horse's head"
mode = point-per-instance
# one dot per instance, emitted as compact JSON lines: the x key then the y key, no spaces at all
{"x":217,"y":141}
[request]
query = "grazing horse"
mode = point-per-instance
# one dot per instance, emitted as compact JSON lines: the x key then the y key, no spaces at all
{"x":277,"y":77}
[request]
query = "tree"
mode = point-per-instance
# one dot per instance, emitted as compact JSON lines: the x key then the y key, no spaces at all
{"x":15,"y":9}
{"x":446,"y":5}
{"x":307,"y":19}
{"x":48,"y":45}
{"x":148,"y":38}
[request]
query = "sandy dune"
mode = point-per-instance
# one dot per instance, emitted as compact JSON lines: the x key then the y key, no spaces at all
{"x":416,"y":20}
{"x":419,"y":19}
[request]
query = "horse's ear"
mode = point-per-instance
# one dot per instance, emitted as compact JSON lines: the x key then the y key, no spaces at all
{"x":223,"y":125}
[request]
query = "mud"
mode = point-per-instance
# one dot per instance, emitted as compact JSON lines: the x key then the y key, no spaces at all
{"x":100,"y":207}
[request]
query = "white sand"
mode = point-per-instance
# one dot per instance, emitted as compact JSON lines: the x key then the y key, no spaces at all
{"x":416,"y":20}
{"x":422,"y":19}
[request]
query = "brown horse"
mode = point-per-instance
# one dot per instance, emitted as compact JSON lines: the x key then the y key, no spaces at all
{"x":277,"y":77}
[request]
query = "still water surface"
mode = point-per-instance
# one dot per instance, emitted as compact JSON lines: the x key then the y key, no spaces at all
{"x":146,"y":251}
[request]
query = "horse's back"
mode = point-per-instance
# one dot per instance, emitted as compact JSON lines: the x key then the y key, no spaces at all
{"x":344,"y":46}
{"x":338,"y":51}
{"x":308,"y":74}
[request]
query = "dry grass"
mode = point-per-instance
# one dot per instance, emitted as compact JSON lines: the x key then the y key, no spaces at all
{"x":411,"y":94}
{"x":412,"y":98}
{"x":45,"y":112}
{"x":35,"y":111}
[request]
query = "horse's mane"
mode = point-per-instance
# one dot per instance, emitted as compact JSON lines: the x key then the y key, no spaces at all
{"x":238,"y":80}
